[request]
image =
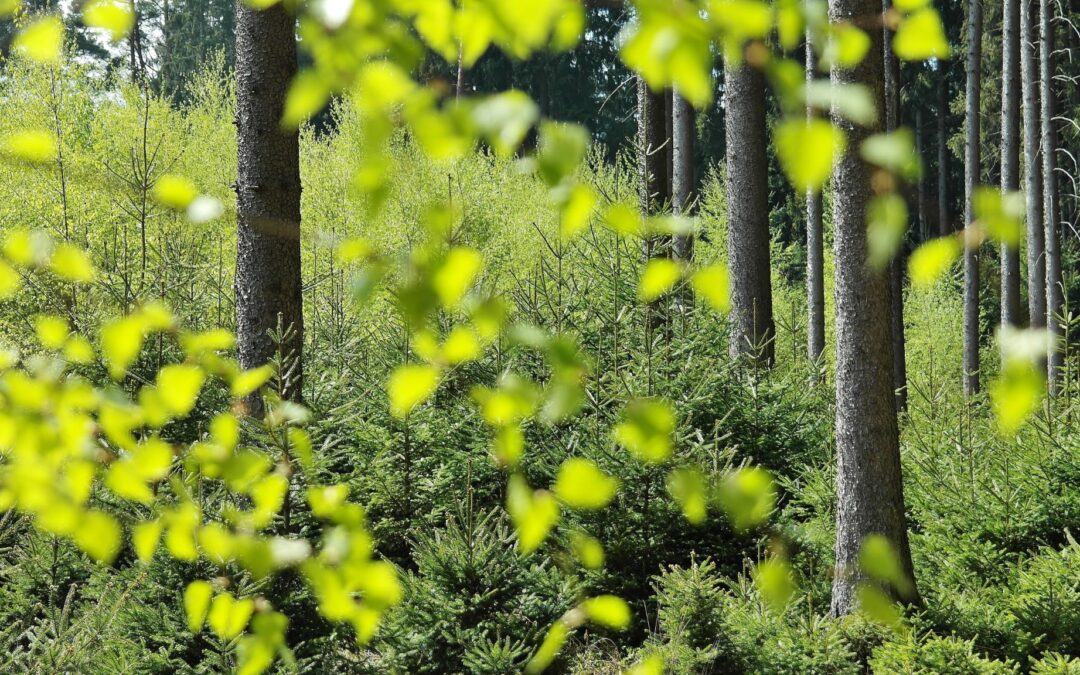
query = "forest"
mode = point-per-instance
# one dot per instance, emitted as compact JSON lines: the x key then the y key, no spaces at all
{"x":566,"y":336}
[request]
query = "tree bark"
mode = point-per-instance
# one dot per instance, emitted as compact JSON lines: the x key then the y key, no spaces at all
{"x":683,"y":179}
{"x":268,"y":196}
{"x":1054,"y":289}
{"x":920,"y":185}
{"x":972,"y":160}
{"x":1036,"y":234}
{"x":652,"y":152}
{"x":1010,"y":153}
{"x":815,"y":256}
{"x":869,"y":486}
{"x":945,"y":226}
{"x":896,"y":267}
{"x":753,"y":330}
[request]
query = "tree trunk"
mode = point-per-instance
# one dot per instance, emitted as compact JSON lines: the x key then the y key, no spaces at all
{"x":683,"y":179}
{"x":815,"y":256}
{"x":869,"y":486}
{"x":896,"y":267}
{"x":972,"y":161}
{"x":1036,"y":234}
{"x":1010,"y":153}
{"x":945,"y":226}
{"x":268,"y":196}
{"x":652,"y":152}
{"x":1054,"y":290}
{"x":748,"y":214}
{"x":920,"y":185}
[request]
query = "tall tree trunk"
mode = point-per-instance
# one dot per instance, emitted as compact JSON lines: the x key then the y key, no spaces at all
{"x":869,"y":486}
{"x":1036,"y":233}
{"x":1010,"y":153}
{"x":683,"y":178}
{"x":748,"y":213}
{"x":268,"y":195}
{"x":815,"y":256}
{"x":652,"y":149}
{"x":896,"y":267}
{"x":1054,"y":289}
{"x":945,"y":226}
{"x":972,"y":160}
{"x":920,"y":185}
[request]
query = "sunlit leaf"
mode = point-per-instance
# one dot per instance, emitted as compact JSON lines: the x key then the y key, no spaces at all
{"x":659,"y":277}
{"x":549,"y":648}
{"x":533,"y":513}
{"x":308,"y":94}
{"x":921,"y":36}
{"x":175,"y":192}
{"x":98,"y":534}
{"x":72,"y":264}
{"x":879,"y":607}
{"x":807,"y":150}
{"x":121,"y":342}
{"x":846,"y":47}
{"x":931,"y":260}
{"x":886,"y":224}
{"x":582,"y":485}
{"x":179,"y":386}
{"x":145,"y":538}
{"x":228,"y":616}
{"x":115,"y":16}
{"x":250,"y":381}
{"x":576,"y":211}
{"x":893,"y":151}
{"x":687,"y":487}
{"x":646,"y":429}
{"x":409,"y":386}
{"x":197,"y":603}
{"x":456,"y":275}
{"x":1015,"y":394}
{"x":588,"y":550}
{"x":41,"y":40}
{"x":775,"y":581}
{"x":504,"y":119}
{"x":748,"y":496}
{"x":31,"y":145}
{"x":854,"y":102}
{"x":879,"y":559}
{"x":608,"y":610}
{"x":714,"y":284}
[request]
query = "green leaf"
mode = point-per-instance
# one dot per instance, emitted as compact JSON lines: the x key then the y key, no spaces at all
{"x":748,"y":496}
{"x":878,"y":607}
{"x":687,"y":486}
{"x":714,"y":284}
{"x":250,"y":381}
{"x":853,"y":102}
{"x":582,"y":485}
{"x":179,"y":387}
{"x":646,"y":429}
{"x":1015,"y":394}
{"x":308,"y":94}
{"x":549,"y":648}
{"x":659,"y":277}
{"x":807,"y":150}
{"x":775,"y":582}
{"x":409,"y":386}
{"x":930,"y":261}
{"x":145,"y":538}
{"x":71,"y":264}
{"x":533,"y":513}
{"x":886,"y":225}
{"x":504,"y":120}
{"x":588,"y":550}
{"x":98,"y":535}
{"x":228,"y":616}
{"x":197,"y":603}
{"x":41,"y":40}
{"x":608,"y":610}
{"x":174,"y":192}
{"x":921,"y":36}
{"x":894,"y":152}
{"x":36,"y":146}
{"x":456,"y":275}
{"x":115,"y":16}
{"x":847,"y":46}
{"x":576,"y":210}
{"x":560,"y":150}
{"x":881,"y":562}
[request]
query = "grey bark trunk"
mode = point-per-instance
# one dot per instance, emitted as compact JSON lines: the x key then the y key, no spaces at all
{"x":1010,"y":153}
{"x":748,"y":214}
{"x":652,"y":149}
{"x":869,"y":486}
{"x":1036,"y":234}
{"x":896,"y":267}
{"x":683,"y":179}
{"x":972,"y":160}
{"x":920,"y":185}
{"x":815,"y":256}
{"x":945,"y":226}
{"x":1054,"y":290}
{"x":268,"y":196}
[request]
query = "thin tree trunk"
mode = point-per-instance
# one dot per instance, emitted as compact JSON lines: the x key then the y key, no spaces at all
{"x":945,"y":226}
{"x":1010,"y":153}
{"x":972,"y":160}
{"x":753,"y":329}
{"x":1036,"y":233}
{"x":652,"y":153}
{"x":896,"y":267}
{"x":815,"y":256}
{"x":920,"y":185}
{"x":268,"y":196}
{"x":1054,"y":290}
{"x":683,"y":178}
{"x":869,"y":485}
